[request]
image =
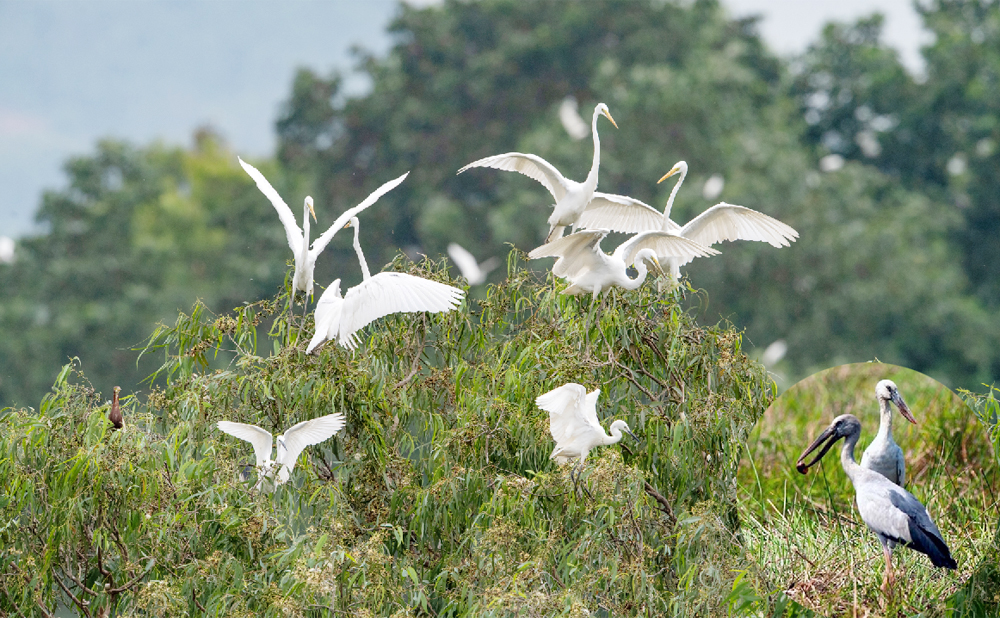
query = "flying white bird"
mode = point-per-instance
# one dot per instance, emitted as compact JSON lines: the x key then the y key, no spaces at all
{"x":290,"y":445}
{"x":574,"y":425}
{"x":720,"y":222}
{"x":571,"y":197}
{"x":472,"y":270}
{"x":588,"y":268}
{"x":892,"y":513}
{"x":298,"y":238}
{"x":376,"y":296}
{"x":569,"y":116}
{"x":883,"y":455}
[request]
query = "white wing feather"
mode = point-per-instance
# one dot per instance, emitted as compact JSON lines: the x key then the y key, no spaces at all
{"x":292,"y":230}
{"x":578,"y":253}
{"x":307,"y":433}
{"x":561,"y":404}
{"x":465,"y":261}
{"x":259,"y":438}
{"x":324,"y":239}
{"x":391,"y":292}
{"x":531,"y":166}
{"x":665,"y":245}
{"x":621,"y":213}
{"x":730,"y":222}
{"x":328,"y":311}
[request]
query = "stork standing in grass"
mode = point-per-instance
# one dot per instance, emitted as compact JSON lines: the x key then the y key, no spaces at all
{"x":892,"y":513}
{"x":883,"y":455}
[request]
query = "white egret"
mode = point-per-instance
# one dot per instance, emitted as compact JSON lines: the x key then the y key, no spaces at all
{"x":720,"y":222}
{"x":588,"y":268}
{"x":471,"y":269}
{"x":298,"y":238}
{"x":883,"y":455}
{"x":574,"y":425}
{"x":289,"y":445}
{"x":569,"y":116}
{"x":571,"y":197}
{"x":892,"y":513}
{"x":376,"y":296}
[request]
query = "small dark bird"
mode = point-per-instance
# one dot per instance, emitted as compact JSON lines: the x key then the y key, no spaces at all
{"x":115,"y":416}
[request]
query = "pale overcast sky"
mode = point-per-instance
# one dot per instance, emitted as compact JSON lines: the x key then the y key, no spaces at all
{"x":158,"y":69}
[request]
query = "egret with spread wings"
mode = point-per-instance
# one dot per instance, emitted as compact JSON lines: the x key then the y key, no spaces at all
{"x":571,"y":196}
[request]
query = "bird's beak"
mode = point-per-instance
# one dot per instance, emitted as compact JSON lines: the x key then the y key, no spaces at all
{"x":672,"y":171}
{"x":827,"y":435}
{"x":608,"y":115}
{"x":348,"y":225}
{"x":659,"y":269}
{"x":904,"y":409}
{"x":634,"y":437}
{"x":309,"y":203}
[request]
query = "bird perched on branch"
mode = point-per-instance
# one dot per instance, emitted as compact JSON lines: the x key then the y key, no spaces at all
{"x":115,"y":415}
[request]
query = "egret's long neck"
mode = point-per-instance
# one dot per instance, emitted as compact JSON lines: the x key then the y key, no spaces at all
{"x":592,"y":176}
{"x":616,"y":436}
{"x":885,"y":420}
{"x":304,"y":251}
{"x":632,"y":284}
{"x":847,"y":456}
{"x":357,"y":248}
{"x":670,"y":200}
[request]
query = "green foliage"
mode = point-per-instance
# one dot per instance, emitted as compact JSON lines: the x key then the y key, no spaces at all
{"x":438,"y":497}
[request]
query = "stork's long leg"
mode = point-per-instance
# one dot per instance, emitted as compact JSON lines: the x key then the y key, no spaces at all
{"x":888,"y":577}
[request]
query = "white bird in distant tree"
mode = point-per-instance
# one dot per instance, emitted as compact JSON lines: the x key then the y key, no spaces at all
{"x":569,"y":116}
{"x":588,"y":268}
{"x":574,"y":425}
{"x":571,"y":197}
{"x":472,"y":270}
{"x":341,"y":318}
{"x":290,"y":445}
{"x":720,"y":222}
{"x":298,"y":238}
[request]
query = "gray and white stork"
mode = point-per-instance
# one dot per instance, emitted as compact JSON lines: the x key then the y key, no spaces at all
{"x":891,"y":512}
{"x":883,"y":455}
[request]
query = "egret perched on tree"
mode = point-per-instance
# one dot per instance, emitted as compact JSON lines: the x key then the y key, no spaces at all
{"x":720,"y":222}
{"x":574,"y":425}
{"x":891,"y":512}
{"x":115,"y":415}
{"x":471,"y":269}
{"x":883,"y":455}
{"x":571,"y":197}
{"x":377,"y":296}
{"x":290,"y":445}
{"x":298,"y":238}
{"x":589,"y":269}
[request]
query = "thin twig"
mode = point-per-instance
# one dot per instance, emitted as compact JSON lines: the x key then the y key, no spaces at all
{"x":134,"y":580}
{"x":194,"y":598}
{"x":81,"y":604}
{"x":664,"y":503}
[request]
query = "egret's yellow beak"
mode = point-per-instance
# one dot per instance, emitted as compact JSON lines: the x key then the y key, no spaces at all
{"x":672,"y":171}
{"x":309,"y":204}
{"x":659,"y":269}
{"x":348,"y":225}
{"x":608,"y":115}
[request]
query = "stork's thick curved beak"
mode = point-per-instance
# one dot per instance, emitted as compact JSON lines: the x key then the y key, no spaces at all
{"x":675,"y":169}
{"x":827,"y":436}
{"x":607,"y":114}
{"x":904,"y":410}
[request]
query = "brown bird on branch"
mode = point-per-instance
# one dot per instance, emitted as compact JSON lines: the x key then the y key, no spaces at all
{"x":115,"y":416}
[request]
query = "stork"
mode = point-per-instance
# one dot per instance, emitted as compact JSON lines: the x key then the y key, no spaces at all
{"x":891,"y":512}
{"x":883,"y":455}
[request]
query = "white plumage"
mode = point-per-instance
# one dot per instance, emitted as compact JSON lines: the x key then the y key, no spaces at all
{"x":883,"y":455}
{"x":571,"y":196}
{"x":474,"y":272}
{"x":289,"y":444}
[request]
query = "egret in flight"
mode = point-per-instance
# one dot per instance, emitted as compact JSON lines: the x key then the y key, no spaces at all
{"x":376,"y":296}
{"x":720,"y":222}
{"x":574,"y":425}
{"x":883,"y":455}
{"x":298,"y":238}
{"x":471,"y":269}
{"x":571,"y":197}
{"x":290,"y":445}
{"x":892,"y":513}
{"x":588,"y":268}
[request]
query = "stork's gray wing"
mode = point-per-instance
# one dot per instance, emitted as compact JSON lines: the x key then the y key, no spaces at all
{"x":924,"y":534}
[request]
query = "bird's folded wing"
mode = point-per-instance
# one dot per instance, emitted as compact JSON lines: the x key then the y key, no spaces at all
{"x":665,"y":245}
{"x":324,"y":239}
{"x":621,"y":213}
{"x":562,"y":404}
{"x":259,"y":438}
{"x":292,"y":230}
{"x":307,"y":433}
{"x":578,"y":253}
{"x":530,"y":165}
{"x":327,"y":314}
{"x":730,"y":222}
{"x":391,"y":292}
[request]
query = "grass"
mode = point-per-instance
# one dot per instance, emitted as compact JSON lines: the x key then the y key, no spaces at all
{"x":804,"y":534}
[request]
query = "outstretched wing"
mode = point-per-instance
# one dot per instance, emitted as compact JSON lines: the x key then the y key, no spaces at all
{"x":292,"y":230}
{"x":730,"y":222}
{"x":259,"y":438}
{"x":327,"y":316}
{"x":307,"y":433}
{"x":665,"y":245}
{"x":391,"y":292}
{"x":572,"y":413}
{"x":621,"y":213}
{"x":465,"y":261}
{"x":531,"y":166}
{"x":324,"y":239}
{"x":578,"y":253}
